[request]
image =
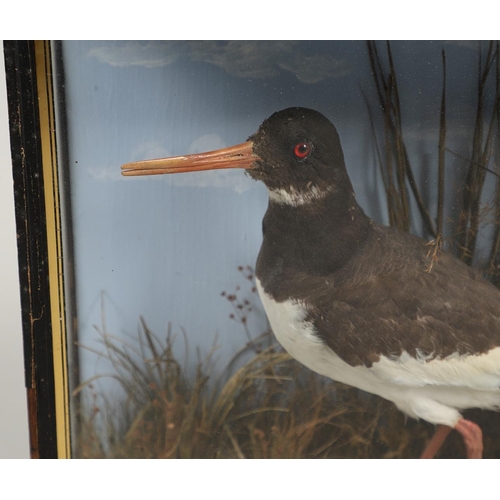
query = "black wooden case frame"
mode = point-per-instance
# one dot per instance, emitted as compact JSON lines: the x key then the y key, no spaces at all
{"x":32,"y":109}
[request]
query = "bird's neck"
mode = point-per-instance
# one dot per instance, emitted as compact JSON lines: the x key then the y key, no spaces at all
{"x":316,"y":238}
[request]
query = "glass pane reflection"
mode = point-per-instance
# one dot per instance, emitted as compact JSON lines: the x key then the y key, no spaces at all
{"x":176,"y":359}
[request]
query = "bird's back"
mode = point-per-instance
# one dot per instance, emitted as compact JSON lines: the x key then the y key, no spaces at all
{"x":393,"y":297}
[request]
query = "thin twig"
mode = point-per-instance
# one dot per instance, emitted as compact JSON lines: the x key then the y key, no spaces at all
{"x":442,"y":142}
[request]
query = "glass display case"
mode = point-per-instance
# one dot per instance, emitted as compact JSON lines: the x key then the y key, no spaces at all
{"x":144,"y":335}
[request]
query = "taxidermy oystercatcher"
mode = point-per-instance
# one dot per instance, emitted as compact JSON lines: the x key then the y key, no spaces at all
{"x":356,"y":301}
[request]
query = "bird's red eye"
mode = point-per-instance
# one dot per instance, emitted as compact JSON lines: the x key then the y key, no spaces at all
{"x":302,"y":150}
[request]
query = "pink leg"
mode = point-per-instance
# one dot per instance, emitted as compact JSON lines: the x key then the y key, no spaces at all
{"x":436,"y":442}
{"x":473,"y":437}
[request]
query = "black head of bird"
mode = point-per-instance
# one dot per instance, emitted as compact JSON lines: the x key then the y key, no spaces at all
{"x":299,"y":152}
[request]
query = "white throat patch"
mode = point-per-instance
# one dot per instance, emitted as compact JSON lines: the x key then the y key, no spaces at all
{"x":296,"y":198}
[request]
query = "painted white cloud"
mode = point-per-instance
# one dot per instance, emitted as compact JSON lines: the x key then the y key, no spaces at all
{"x":104,"y":174}
{"x":247,"y":59}
{"x":207,"y":142}
{"x":113,"y":171}
{"x":313,"y":69}
{"x":148,"y":55}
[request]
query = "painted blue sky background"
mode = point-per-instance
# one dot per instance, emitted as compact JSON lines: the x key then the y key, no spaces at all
{"x":165,"y":247}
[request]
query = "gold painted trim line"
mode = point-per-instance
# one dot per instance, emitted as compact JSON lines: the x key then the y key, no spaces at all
{"x":54,"y":243}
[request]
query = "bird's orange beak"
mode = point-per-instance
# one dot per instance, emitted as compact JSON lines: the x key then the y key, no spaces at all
{"x":239,"y":156}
